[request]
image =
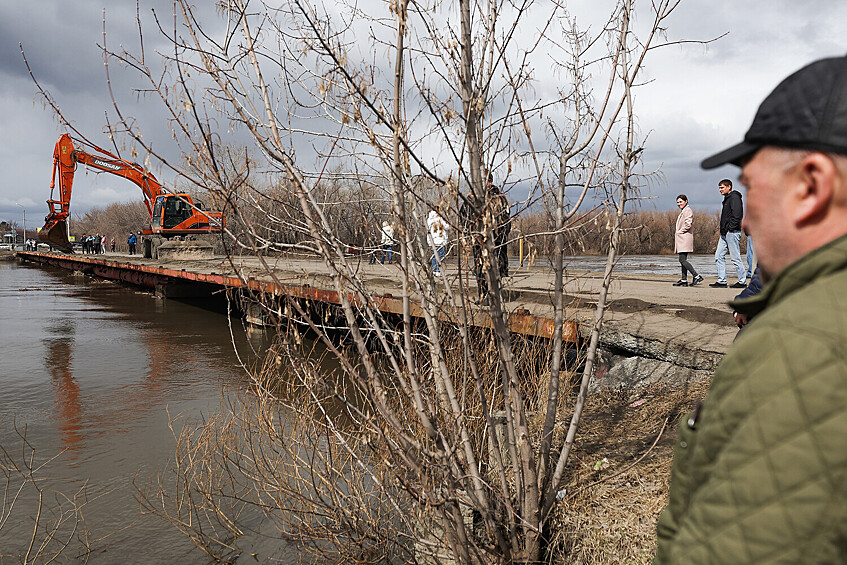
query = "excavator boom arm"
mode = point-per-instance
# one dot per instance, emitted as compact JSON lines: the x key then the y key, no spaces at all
{"x":65,"y":160}
{"x":66,"y":157}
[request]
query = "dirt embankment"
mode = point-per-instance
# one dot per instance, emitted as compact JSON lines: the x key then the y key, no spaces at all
{"x":621,"y":474}
{"x":659,"y":348}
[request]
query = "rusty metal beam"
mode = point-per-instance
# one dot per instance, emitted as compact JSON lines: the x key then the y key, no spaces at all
{"x":520,"y":321}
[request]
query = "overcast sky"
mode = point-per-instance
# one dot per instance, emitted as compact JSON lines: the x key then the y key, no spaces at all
{"x":701,"y":100}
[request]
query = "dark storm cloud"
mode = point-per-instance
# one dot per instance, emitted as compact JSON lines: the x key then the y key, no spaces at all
{"x":60,"y":41}
{"x":761,"y":30}
{"x":704,"y":97}
{"x":701,"y":98}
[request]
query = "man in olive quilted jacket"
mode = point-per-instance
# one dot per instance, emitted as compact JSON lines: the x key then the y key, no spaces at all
{"x":760,"y":470}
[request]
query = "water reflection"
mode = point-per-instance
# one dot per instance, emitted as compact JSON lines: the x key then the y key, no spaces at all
{"x":95,"y":372}
{"x":58,"y":361}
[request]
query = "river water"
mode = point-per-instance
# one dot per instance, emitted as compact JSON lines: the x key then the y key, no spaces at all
{"x":647,"y":264}
{"x":93,"y":372}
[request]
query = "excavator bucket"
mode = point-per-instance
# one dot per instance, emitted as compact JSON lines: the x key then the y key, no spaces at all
{"x":57,"y":236}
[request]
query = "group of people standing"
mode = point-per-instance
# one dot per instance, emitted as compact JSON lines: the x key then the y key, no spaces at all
{"x":97,"y":244}
{"x":732,"y":212}
{"x":475,"y":218}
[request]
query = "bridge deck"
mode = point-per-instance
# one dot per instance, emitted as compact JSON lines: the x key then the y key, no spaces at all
{"x":688,"y":326}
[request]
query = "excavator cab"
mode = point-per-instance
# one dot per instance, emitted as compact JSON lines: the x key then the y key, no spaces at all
{"x":170,"y":211}
{"x":178,"y":214}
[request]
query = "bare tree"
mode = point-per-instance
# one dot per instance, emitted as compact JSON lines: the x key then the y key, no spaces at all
{"x":437,"y":433}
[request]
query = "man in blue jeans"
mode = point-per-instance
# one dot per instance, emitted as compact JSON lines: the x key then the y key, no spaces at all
{"x":732,"y":212}
{"x":750,"y":252}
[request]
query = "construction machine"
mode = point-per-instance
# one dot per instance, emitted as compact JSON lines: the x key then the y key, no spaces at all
{"x":171,"y":214}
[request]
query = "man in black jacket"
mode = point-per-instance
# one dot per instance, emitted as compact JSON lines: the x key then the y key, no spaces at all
{"x":732,"y":213}
{"x":476,"y":219}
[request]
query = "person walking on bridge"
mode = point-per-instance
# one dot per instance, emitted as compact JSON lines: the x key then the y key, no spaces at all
{"x":684,"y":241}
{"x":387,"y":242}
{"x":437,"y":238}
{"x":477,"y":219}
{"x":732,"y":212}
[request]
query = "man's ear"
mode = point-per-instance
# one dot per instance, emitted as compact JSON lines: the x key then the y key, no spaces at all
{"x":813,"y":189}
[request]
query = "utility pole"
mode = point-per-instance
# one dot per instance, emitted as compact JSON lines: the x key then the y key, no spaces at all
{"x":24,"y":209}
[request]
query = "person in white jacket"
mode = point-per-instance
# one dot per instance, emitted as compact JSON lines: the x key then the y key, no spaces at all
{"x":387,"y":242}
{"x":437,"y":239}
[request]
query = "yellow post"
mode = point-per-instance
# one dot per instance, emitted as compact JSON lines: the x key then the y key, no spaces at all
{"x":520,"y":252}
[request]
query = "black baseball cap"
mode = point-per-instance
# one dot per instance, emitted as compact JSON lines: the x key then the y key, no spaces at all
{"x":808,"y":110}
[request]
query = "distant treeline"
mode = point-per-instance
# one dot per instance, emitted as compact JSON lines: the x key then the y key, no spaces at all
{"x":645,"y":233}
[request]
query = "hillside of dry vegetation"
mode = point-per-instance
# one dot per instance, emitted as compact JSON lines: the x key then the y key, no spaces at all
{"x":621,"y":475}
{"x":644,"y":232}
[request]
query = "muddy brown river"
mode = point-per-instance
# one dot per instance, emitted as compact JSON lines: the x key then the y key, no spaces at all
{"x":93,"y":372}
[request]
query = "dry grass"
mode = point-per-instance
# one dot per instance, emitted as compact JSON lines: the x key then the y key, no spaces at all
{"x":609,"y":514}
{"x":644,"y":232}
{"x":282,"y":461}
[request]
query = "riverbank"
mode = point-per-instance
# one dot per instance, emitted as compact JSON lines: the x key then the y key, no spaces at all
{"x":660,"y":345}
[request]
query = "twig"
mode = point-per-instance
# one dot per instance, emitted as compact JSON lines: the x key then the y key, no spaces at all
{"x":625,"y":469}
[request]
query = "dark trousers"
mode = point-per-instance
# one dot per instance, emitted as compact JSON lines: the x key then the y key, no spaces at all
{"x":502,"y":258}
{"x":502,"y":254}
{"x":479,"y":271}
{"x":686,"y":266}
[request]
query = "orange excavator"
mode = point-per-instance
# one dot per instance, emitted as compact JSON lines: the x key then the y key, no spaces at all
{"x":171,"y":214}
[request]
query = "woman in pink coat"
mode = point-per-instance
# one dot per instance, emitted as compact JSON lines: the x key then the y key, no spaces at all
{"x":684,"y":241}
